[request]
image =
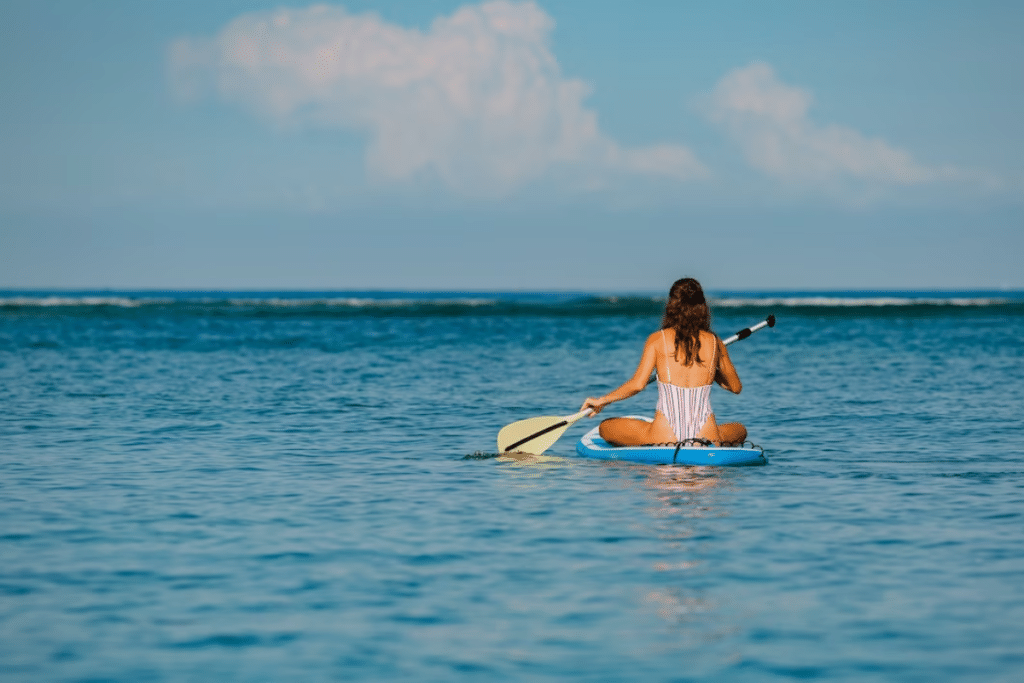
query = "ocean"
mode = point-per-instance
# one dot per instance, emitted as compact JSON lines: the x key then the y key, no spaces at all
{"x":286,"y":486}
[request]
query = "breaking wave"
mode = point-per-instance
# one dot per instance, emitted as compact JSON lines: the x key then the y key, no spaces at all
{"x":401,"y":304}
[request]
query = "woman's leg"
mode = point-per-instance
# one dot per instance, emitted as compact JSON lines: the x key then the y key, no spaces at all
{"x":627,"y":431}
{"x":732,"y":433}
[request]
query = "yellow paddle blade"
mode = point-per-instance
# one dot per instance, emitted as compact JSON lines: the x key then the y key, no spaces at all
{"x":535,"y":435}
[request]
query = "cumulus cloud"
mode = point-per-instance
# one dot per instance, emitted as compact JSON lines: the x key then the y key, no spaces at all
{"x":478,"y":99}
{"x":768,"y":120}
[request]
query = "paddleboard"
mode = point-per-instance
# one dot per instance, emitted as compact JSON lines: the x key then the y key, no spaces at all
{"x":593,"y":446}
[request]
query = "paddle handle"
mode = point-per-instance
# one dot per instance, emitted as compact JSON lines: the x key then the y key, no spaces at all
{"x":747,"y":331}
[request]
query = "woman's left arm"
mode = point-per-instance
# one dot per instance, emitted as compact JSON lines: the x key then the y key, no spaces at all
{"x":631,"y":387}
{"x":726,"y":375}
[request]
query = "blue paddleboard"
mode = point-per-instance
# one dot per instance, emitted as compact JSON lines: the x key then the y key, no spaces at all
{"x":593,"y":446}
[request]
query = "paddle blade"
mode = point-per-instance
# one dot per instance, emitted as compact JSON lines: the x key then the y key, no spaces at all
{"x":540,"y":433}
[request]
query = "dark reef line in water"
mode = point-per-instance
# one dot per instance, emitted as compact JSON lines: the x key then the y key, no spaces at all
{"x":449,"y":304}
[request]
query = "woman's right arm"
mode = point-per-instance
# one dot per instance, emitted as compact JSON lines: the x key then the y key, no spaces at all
{"x":726,"y":375}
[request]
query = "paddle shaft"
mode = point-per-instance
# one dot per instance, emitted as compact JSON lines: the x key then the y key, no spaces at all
{"x":747,"y":331}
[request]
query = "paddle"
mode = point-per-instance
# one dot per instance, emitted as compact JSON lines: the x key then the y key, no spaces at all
{"x":747,"y":331}
{"x":537,"y":434}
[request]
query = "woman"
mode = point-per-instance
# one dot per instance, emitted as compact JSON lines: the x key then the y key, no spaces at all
{"x":688,"y":358}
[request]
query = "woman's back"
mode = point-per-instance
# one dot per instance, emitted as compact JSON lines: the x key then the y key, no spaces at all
{"x":673,"y":370}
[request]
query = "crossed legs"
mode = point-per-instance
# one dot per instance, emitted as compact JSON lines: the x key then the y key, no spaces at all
{"x":628,"y":431}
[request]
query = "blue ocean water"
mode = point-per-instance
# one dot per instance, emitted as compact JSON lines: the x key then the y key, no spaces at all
{"x":302,"y":487}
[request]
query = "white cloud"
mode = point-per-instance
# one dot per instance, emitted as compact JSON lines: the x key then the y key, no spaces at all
{"x":768,"y":120}
{"x":479,"y":99}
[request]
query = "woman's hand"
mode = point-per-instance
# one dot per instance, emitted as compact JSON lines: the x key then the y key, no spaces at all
{"x":595,"y":404}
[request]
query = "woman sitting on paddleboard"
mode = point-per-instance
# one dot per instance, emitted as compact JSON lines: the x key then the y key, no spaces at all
{"x":688,"y":357}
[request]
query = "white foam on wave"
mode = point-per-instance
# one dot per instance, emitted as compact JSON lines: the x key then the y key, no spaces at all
{"x":851,"y":302}
{"x":357,"y":302}
{"x":130,"y":302}
{"x":55,"y":301}
{"x":782,"y":301}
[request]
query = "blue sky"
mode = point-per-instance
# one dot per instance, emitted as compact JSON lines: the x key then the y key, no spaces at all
{"x":515,"y":146}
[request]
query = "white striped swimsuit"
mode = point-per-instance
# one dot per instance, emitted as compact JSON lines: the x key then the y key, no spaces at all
{"x":687,"y":408}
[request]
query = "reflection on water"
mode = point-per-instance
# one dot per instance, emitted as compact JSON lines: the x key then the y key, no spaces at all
{"x":675,"y":513}
{"x":674,"y":566}
{"x":680,"y":500}
{"x":669,"y":480}
{"x":528,"y":471}
{"x":687,"y":492}
{"x":530,"y":466}
{"x":677,"y":607}
{"x":529,"y":460}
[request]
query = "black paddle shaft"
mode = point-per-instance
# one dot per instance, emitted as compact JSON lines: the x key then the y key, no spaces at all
{"x":747,"y":331}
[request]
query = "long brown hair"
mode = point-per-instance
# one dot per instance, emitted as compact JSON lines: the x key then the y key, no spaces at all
{"x":687,"y":313}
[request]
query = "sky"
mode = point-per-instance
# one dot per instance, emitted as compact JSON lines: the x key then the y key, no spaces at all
{"x":551,"y":145}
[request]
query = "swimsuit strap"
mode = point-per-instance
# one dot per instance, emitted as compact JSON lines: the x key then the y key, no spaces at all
{"x":714,"y":352}
{"x":668,"y":370}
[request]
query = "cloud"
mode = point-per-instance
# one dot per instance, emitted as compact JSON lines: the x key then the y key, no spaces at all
{"x":478,"y":100}
{"x":768,"y":120}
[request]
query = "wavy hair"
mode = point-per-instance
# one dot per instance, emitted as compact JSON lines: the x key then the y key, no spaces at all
{"x":687,"y":313}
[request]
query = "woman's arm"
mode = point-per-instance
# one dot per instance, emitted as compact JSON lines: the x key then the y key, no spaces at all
{"x":631,"y":387}
{"x":726,"y":374}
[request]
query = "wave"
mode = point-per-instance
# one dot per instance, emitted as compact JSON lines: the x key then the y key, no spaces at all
{"x":858,"y":302}
{"x":68,"y":300}
{"x":473,"y":304}
{"x":126,"y":301}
